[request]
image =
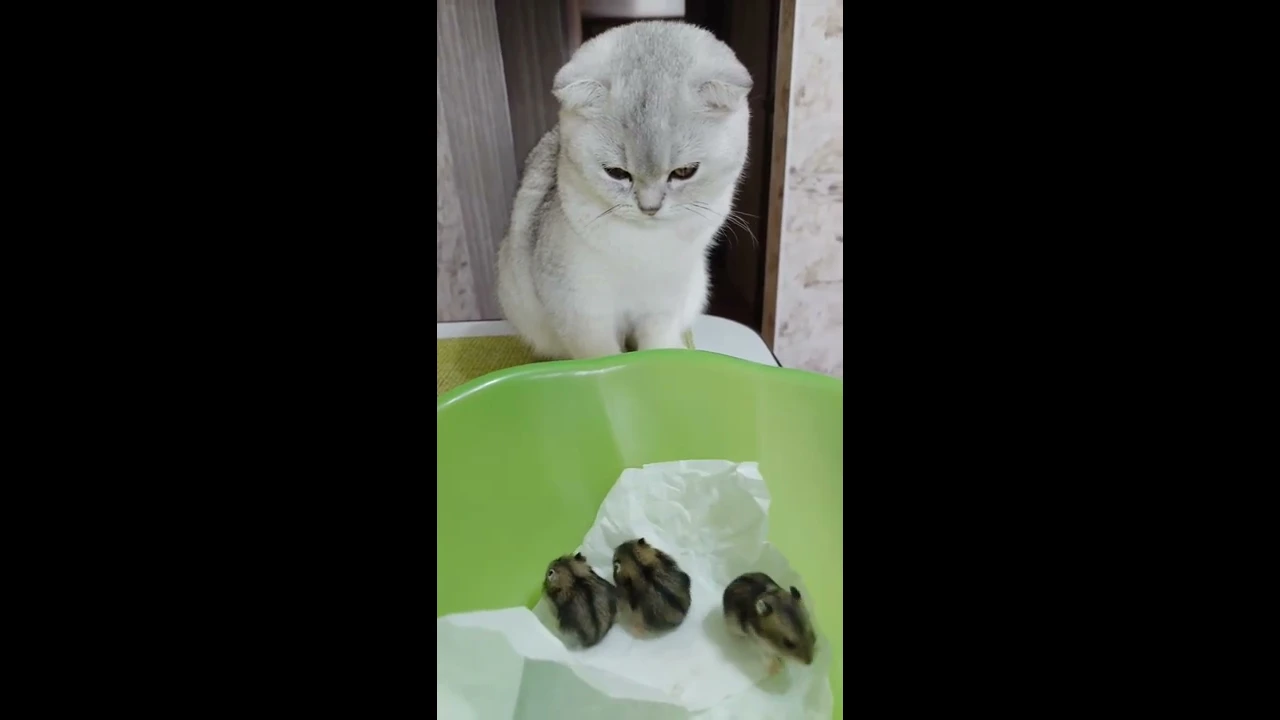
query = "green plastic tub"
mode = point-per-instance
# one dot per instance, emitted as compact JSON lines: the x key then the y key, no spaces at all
{"x":525,"y":456}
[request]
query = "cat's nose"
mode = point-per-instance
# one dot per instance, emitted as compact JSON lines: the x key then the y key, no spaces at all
{"x":649,"y":197}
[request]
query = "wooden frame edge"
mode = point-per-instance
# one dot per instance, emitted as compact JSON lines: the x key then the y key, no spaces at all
{"x":777,"y":168}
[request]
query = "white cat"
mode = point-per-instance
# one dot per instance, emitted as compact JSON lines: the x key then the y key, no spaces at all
{"x":621,"y":201}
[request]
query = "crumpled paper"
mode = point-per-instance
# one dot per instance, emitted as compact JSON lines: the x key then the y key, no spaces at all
{"x":712,"y":517}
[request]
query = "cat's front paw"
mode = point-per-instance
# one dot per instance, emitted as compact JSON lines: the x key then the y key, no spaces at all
{"x":582,"y":346}
{"x":659,"y":339}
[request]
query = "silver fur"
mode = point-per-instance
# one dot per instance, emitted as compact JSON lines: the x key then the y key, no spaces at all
{"x":582,"y":267}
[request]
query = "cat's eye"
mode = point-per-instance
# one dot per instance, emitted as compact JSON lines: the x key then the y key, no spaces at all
{"x":551,"y":574}
{"x":617,"y":568}
{"x":684,"y":173}
{"x":617,"y":173}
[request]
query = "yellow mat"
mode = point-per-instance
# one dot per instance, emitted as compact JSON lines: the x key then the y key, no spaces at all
{"x":460,"y":360}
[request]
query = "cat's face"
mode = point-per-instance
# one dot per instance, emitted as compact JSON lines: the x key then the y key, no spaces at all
{"x":656,"y":136}
{"x":657,"y":165}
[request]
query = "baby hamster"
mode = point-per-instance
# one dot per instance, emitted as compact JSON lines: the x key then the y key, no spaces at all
{"x":586,"y":604}
{"x":777,"y":620}
{"x":653,"y":589}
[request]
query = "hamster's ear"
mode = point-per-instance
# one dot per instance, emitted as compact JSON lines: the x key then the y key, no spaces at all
{"x":641,"y":542}
{"x":579,"y":557}
{"x":795,"y":593}
{"x":763,"y":607}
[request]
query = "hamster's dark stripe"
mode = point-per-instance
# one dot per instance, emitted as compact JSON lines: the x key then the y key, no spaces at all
{"x":646,"y":572}
{"x":633,"y":592}
{"x":589,"y":594}
{"x":670,"y":597}
{"x":650,"y":575}
{"x":793,"y":617}
{"x":631,"y":550}
{"x":650,"y":614}
{"x":564,"y":614}
{"x":754,"y":586}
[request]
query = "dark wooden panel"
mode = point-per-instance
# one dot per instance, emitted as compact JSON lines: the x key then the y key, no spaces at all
{"x":737,"y":262}
{"x":534,"y":47}
{"x":778,"y":166}
{"x":750,"y":34}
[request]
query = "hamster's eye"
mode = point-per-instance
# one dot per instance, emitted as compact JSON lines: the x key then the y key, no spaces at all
{"x":683,"y":173}
{"x":551,"y":574}
{"x":788,"y":645}
{"x":617,"y":567}
{"x":618,"y":173}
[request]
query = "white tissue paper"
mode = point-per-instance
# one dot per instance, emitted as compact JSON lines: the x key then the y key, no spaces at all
{"x":712,"y":517}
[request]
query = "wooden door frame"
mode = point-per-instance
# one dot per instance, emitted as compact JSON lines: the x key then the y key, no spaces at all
{"x":777,"y":167}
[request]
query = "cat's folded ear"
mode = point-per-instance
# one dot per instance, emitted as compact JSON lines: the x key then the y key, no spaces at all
{"x":726,"y":91}
{"x":576,"y":93}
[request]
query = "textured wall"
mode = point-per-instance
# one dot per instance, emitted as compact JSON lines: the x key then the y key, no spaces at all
{"x":475,"y":161}
{"x":810,"y":301}
{"x":455,"y":285}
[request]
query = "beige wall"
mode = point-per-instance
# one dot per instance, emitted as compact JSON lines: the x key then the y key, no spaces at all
{"x":809,"y":330}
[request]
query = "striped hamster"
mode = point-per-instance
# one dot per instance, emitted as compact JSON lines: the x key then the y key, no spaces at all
{"x":586,"y":604}
{"x":758,"y":608}
{"x":653,"y":589}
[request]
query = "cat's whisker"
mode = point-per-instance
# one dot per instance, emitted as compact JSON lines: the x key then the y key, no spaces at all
{"x":606,"y":212}
{"x":732,"y":219}
{"x":729,"y":226}
{"x":723,"y":225}
{"x":711,"y":220}
{"x":690,"y":209}
{"x":754,"y":242}
{"x":744,"y":225}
